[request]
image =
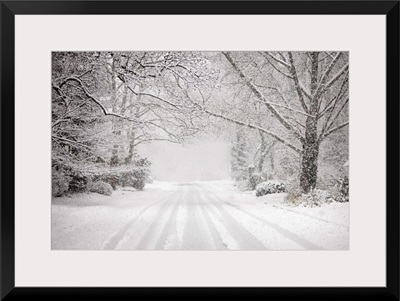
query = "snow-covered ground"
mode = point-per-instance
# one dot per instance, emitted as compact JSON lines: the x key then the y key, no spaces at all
{"x":195,"y":216}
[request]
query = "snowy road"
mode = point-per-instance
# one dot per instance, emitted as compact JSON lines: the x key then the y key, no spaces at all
{"x":194,"y":216}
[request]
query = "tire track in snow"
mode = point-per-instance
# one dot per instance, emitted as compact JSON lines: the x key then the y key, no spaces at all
{"x":169,"y":225}
{"x":116,"y":238}
{"x":227,"y":240}
{"x":216,"y":238}
{"x":151,"y":234}
{"x":218,"y":243}
{"x":286,"y":233}
{"x":197,"y":235}
{"x":245,"y":239}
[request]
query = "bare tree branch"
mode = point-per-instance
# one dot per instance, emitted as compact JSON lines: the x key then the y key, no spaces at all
{"x":278,"y":60}
{"x":333,"y":130}
{"x":257,"y":92}
{"x":252,"y":126}
{"x":297,"y":84}
{"x":326,"y":127}
{"x":71,"y":142}
{"x":326,"y":73}
{"x":148,"y":94}
{"x":93,"y":98}
{"x":276,"y":68}
{"x":284,"y":106}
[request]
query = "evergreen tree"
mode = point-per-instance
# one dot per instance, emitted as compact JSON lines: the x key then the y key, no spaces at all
{"x":239,"y":157}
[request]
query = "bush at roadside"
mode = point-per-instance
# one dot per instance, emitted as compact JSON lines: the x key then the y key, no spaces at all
{"x":270,"y":187}
{"x":100,"y":187}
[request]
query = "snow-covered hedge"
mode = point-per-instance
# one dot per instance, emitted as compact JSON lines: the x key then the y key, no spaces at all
{"x":59,"y":184}
{"x":100,"y":187}
{"x":269,"y":187}
{"x":78,"y":182}
{"x":131,"y":175}
{"x":71,"y":177}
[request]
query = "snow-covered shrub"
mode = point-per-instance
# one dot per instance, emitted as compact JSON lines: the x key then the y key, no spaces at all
{"x":251,"y":169}
{"x":60,"y":183}
{"x":314,"y":198}
{"x":126,"y":179}
{"x":254,"y":180}
{"x":149,"y":180}
{"x":136,"y":178}
{"x":111,"y":179}
{"x":269,"y":187}
{"x":134,"y":175}
{"x":140,"y":173}
{"x":78,"y":182}
{"x":344,"y":189}
{"x":100,"y":187}
{"x":254,"y":177}
{"x":139,"y":178}
{"x":340,"y":192}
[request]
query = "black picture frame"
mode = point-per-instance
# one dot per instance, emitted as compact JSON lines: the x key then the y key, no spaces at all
{"x":11,"y":8}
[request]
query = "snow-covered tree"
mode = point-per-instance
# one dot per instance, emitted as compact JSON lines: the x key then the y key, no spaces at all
{"x":306,"y":93}
{"x":239,"y":157}
{"x":313,"y":87}
{"x":104,"y":104}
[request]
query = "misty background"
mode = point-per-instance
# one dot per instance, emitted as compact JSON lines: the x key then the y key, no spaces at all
{"x":201,"y":160}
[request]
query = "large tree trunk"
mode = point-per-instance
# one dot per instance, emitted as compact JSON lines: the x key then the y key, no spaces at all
{"x":309,"y":162}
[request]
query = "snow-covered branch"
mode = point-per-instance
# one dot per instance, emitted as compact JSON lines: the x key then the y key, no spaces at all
{"x":252,"y":126}
{"x":248,"y":124}
{"x":288,"y":108}
{"x":278,"y":60}
{"x":336,"y":77}
{"x":92,"y":98}
{"x":333,"y":130}
{"x":281,"y":95}
{"x":326,"y":73}
{"x":325,"y":86}
{"x":275,"y":67}
{"x":329,"y":121}
{"x":71,"y":142}
{"x":297,"y":83}
{"x":148,"y":94}
{"x":258,"y":93}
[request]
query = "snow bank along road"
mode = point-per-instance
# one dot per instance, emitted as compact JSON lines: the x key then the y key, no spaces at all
{"x":195,"y":216}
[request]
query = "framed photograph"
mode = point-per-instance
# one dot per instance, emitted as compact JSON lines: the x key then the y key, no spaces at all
{"x":200,"y":150}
